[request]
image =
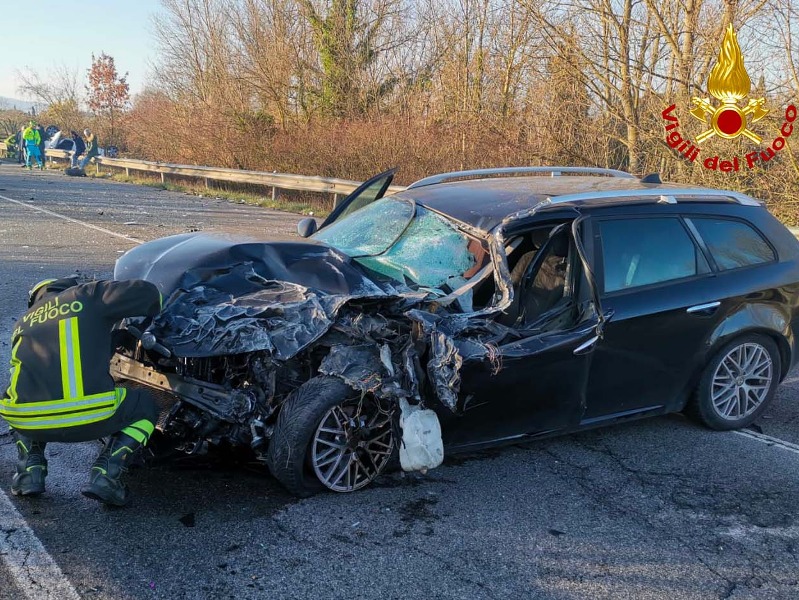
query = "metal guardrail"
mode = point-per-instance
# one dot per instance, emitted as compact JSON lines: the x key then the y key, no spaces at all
{"x":304,"y":183}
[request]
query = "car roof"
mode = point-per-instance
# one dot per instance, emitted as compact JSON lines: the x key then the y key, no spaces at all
{"x":484,"y":203}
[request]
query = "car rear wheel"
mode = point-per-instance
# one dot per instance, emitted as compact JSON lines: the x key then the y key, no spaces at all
{"x":738,"y":383}
{"x":328,"y":436}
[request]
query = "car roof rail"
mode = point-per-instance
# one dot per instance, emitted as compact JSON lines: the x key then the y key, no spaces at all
{"x":664,"y":194}
{"x":511,"y":171}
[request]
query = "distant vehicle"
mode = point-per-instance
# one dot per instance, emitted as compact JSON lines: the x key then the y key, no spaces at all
{"x":514,"y":305}
{"x":58,"y":141}
{"x":61,"y":142}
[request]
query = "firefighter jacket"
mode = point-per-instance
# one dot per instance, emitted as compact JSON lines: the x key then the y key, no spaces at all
{"x":61,"y":351}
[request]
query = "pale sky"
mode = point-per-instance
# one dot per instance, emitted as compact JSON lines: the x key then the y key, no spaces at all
{"x":42,"y":34}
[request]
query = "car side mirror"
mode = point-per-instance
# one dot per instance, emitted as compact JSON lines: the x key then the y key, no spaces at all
{"x":306,"y":227}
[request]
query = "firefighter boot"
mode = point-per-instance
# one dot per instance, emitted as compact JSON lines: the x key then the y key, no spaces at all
{"x":105,"y":481}
{"x":31,"y":467}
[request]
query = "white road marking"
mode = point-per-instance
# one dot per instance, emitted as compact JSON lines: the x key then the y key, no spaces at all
{"x":34,"y":571}
{"x":71,"y":220}
{"x":768,"y":440}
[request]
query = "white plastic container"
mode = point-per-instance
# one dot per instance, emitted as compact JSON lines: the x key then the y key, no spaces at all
{"x":422,"y":447}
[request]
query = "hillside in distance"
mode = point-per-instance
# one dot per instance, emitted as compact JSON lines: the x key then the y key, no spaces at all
{"x":23,"y":105}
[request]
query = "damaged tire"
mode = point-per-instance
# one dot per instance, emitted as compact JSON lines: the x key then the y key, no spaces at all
{"x":328,"y":436}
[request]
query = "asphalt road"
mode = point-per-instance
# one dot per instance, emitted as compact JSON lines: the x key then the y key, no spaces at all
{"x":656,"y":509}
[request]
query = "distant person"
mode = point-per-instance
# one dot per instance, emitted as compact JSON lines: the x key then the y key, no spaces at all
{"x":42,"y":136}
{"x":21,"y":146}
{"x":32,"y":139}
{"x":92,"y":148}
{"x":78,"y":150}
{"x":11,"y":146}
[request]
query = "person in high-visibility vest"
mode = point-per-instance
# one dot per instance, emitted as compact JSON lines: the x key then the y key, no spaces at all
{"x":32,"y":139}
{"x":61,"y":389}
{"x":11,"y":146}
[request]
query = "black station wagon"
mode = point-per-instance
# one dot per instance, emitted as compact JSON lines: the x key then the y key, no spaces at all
{"x":514,"y":303}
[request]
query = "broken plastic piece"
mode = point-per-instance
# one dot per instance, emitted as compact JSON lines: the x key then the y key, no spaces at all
{"x":422,"y":447}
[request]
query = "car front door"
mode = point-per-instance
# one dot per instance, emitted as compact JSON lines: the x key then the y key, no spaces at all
{"x":534,"y":384}
{"x":366,"y":193}
{"x":656,"y":280}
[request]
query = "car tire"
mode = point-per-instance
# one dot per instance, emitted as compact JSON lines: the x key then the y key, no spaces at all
{"x":738,"y":383}
{"x":301,"y":450}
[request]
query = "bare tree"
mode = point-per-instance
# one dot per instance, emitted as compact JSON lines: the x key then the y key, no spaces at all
{"x":59,"y":89}
{"x":59,"y":85}
{"x":616,"y":45}
{"x":275,"y":55}
{"x":194,"y":38}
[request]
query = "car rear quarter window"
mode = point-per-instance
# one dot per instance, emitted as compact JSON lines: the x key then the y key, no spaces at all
{"x":733,"y":244}
{"x":647,"y":251}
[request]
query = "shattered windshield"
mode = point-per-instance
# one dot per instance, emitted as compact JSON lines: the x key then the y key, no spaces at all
{"x":431,"y":252}
{"x":390,"y":238}
{"x":370,"y":230}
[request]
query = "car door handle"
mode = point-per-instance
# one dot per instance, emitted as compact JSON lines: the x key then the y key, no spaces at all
{"x":704,"y":309}
{"x":586,"y":346}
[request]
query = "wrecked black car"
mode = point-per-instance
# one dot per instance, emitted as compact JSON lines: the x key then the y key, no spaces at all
{"x":470,"y":309}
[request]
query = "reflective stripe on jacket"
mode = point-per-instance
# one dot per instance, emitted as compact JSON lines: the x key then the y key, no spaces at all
{"x":61,"y":349}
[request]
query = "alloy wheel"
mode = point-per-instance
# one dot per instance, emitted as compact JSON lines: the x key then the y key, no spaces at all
{"x":352,"y":445}
{"x":741,"y":381}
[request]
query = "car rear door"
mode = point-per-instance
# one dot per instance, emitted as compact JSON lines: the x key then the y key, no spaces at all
{"x":657,"y":281}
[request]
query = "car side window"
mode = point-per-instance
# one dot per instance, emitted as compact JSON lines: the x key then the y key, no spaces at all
{"x":733,"y":244}
{"x":646,"y":251}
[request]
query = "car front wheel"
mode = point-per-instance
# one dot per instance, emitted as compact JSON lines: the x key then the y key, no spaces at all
{"x":738,"y":383}
{"x":328,"y":436}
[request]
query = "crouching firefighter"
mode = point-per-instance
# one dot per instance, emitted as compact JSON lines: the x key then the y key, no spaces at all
{"x":61,"y":389}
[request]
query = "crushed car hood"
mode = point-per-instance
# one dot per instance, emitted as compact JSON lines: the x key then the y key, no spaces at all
{"x":230,"y":296}
{"x":188,"y":260}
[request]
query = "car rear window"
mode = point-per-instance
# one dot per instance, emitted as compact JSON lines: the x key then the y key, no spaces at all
{"x":638,"y":252}
{"x":733,"y":244}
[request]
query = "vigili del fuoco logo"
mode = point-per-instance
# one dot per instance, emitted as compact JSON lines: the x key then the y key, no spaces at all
{"x":728,"y":83}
